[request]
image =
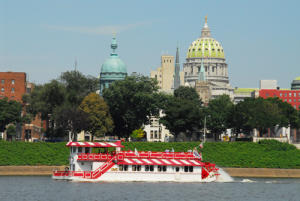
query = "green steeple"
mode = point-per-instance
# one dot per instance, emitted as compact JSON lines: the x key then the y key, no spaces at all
{"x":201,"y":75}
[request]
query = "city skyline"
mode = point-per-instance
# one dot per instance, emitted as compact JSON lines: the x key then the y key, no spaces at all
{"x":260,"y":39}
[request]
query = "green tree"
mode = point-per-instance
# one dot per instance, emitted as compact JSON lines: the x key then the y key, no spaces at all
{"x":183,"y":112}
{"x":99,"y":118}
{"x":218,"y":115}
{"x":10,"y":112}
{"x":131,"y":103}
{"x":11,"y":131}
{"x":137,"y":134}
{"x":78,"y":86}
{"x":71,"y":119}
{"x":257,"y":113}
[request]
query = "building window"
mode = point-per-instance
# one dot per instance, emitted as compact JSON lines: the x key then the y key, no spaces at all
{"x":2,"y":89}
{"x":151,"y":134}
{"x":155,"y":134}
{"x":290,"y":100}
{"x":12,"y":90}
{"x":267,"y":94}
{"x":295,"y":94}
{"x":284,"y":94}
{"x":2,"y":81}
{"x":12,"y":81}
{"x":280,"y":94}
{"x":290,"y":94}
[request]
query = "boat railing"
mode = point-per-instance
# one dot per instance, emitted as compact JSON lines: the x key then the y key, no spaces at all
{"x":69,"y":173}
{"x":131,"y":154}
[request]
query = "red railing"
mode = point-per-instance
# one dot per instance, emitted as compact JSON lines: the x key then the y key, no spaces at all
{"x":130,"y":154}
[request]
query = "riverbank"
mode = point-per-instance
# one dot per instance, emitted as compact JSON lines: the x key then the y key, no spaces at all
{"x":234,"y":172}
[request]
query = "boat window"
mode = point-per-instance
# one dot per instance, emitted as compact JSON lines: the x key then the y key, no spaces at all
{"x":121,"y":167}
{"x":87,"y":150}
{"x":159,"y":168}
{"x":125,"y":167}
{"x":73,"y":149}
{"x":164,"y":168}
{"x":151,"y":168}
{"x":73,"y":167}
{"x":133,"y":167}
{"x":191,"y":168}
{"x":186,"y":168}
{"x":146,"y":168}
{"x":79,"y":149}
{"x":138,"y":167}
{"x":177,"y":169}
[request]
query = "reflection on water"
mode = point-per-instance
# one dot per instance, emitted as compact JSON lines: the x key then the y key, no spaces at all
{"x":29,"y":188}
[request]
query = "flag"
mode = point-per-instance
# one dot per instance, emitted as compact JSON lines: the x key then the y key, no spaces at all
{"x":201,"y":145}
{"x":196,"y":154}
{"x":136,"y":152}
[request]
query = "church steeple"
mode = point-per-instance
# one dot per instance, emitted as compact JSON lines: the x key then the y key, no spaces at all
{"x":177,"y":69}
{"x":205,"y":33}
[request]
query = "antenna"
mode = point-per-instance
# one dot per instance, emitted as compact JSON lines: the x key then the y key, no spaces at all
{"x":75,"y":64}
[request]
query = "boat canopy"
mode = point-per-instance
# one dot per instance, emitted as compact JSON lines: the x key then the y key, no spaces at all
{"x":95,"y":144}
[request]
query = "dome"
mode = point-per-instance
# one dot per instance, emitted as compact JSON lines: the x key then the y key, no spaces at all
{"x":297,"y":78}
{"x":113,"y":65}
{"x":205,"y":47}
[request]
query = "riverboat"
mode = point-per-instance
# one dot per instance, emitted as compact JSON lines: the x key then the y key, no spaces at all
{"x":118,"y":165}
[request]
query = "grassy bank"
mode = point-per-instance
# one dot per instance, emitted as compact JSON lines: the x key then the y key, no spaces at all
{"x":266,"y":154}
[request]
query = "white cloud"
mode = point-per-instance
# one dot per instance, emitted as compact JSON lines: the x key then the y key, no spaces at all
{"x":95,"y":30}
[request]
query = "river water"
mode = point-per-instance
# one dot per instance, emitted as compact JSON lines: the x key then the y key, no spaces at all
{"x":43,"y":188}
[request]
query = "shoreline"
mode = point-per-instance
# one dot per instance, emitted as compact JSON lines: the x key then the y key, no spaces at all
{"x":234,"y":172}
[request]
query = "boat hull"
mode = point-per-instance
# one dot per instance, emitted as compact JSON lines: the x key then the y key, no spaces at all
{"x":143,"y":177}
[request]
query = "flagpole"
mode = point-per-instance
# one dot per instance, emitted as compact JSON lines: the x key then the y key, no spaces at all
{"x":204,"y":133}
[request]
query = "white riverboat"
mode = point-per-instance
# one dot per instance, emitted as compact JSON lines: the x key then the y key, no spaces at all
{"x":121,"y":165}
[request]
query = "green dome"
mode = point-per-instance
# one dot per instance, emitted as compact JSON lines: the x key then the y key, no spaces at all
{"x":205,"y":47}
{"x":113,"y":65}
{"x":297,"y":78}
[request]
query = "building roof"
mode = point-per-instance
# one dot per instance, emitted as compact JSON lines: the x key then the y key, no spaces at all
{"x":244,"y":90}
{"x":95,"y":144}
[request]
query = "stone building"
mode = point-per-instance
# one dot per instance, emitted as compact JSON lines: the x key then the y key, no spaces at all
{"x":112,"y":69}
{"x":208,"y":51}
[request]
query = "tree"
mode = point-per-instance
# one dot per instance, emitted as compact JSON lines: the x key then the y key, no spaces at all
{"x":131,"y":103}
{"x":183,"y":112}
{"x":11,"y":131}
{"x":256,"y":113}
{"x":99,"y":118}
{"x":137,"y":134}
{"x":10,"y":112}
{"x":78,"y":86}
{"x":71,"y":119}
{"x":218,"y":115}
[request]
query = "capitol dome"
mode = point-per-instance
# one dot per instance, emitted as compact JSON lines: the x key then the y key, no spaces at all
{"x":205,"y":47}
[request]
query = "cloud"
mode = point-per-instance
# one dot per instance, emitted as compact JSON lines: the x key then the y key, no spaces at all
{"x":95,"y":30}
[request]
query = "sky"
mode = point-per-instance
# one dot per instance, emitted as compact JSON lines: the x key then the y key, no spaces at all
{"x":261,"y":39}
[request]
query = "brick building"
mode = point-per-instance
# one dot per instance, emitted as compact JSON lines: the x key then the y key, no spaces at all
{"x":290,"y":96}
{"x":13,"y":85}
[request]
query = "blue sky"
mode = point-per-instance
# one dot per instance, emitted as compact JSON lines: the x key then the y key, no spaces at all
{"x":43,"y":38}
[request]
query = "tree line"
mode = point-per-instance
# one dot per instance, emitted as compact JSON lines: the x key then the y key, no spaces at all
{"x":69,"y":105}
